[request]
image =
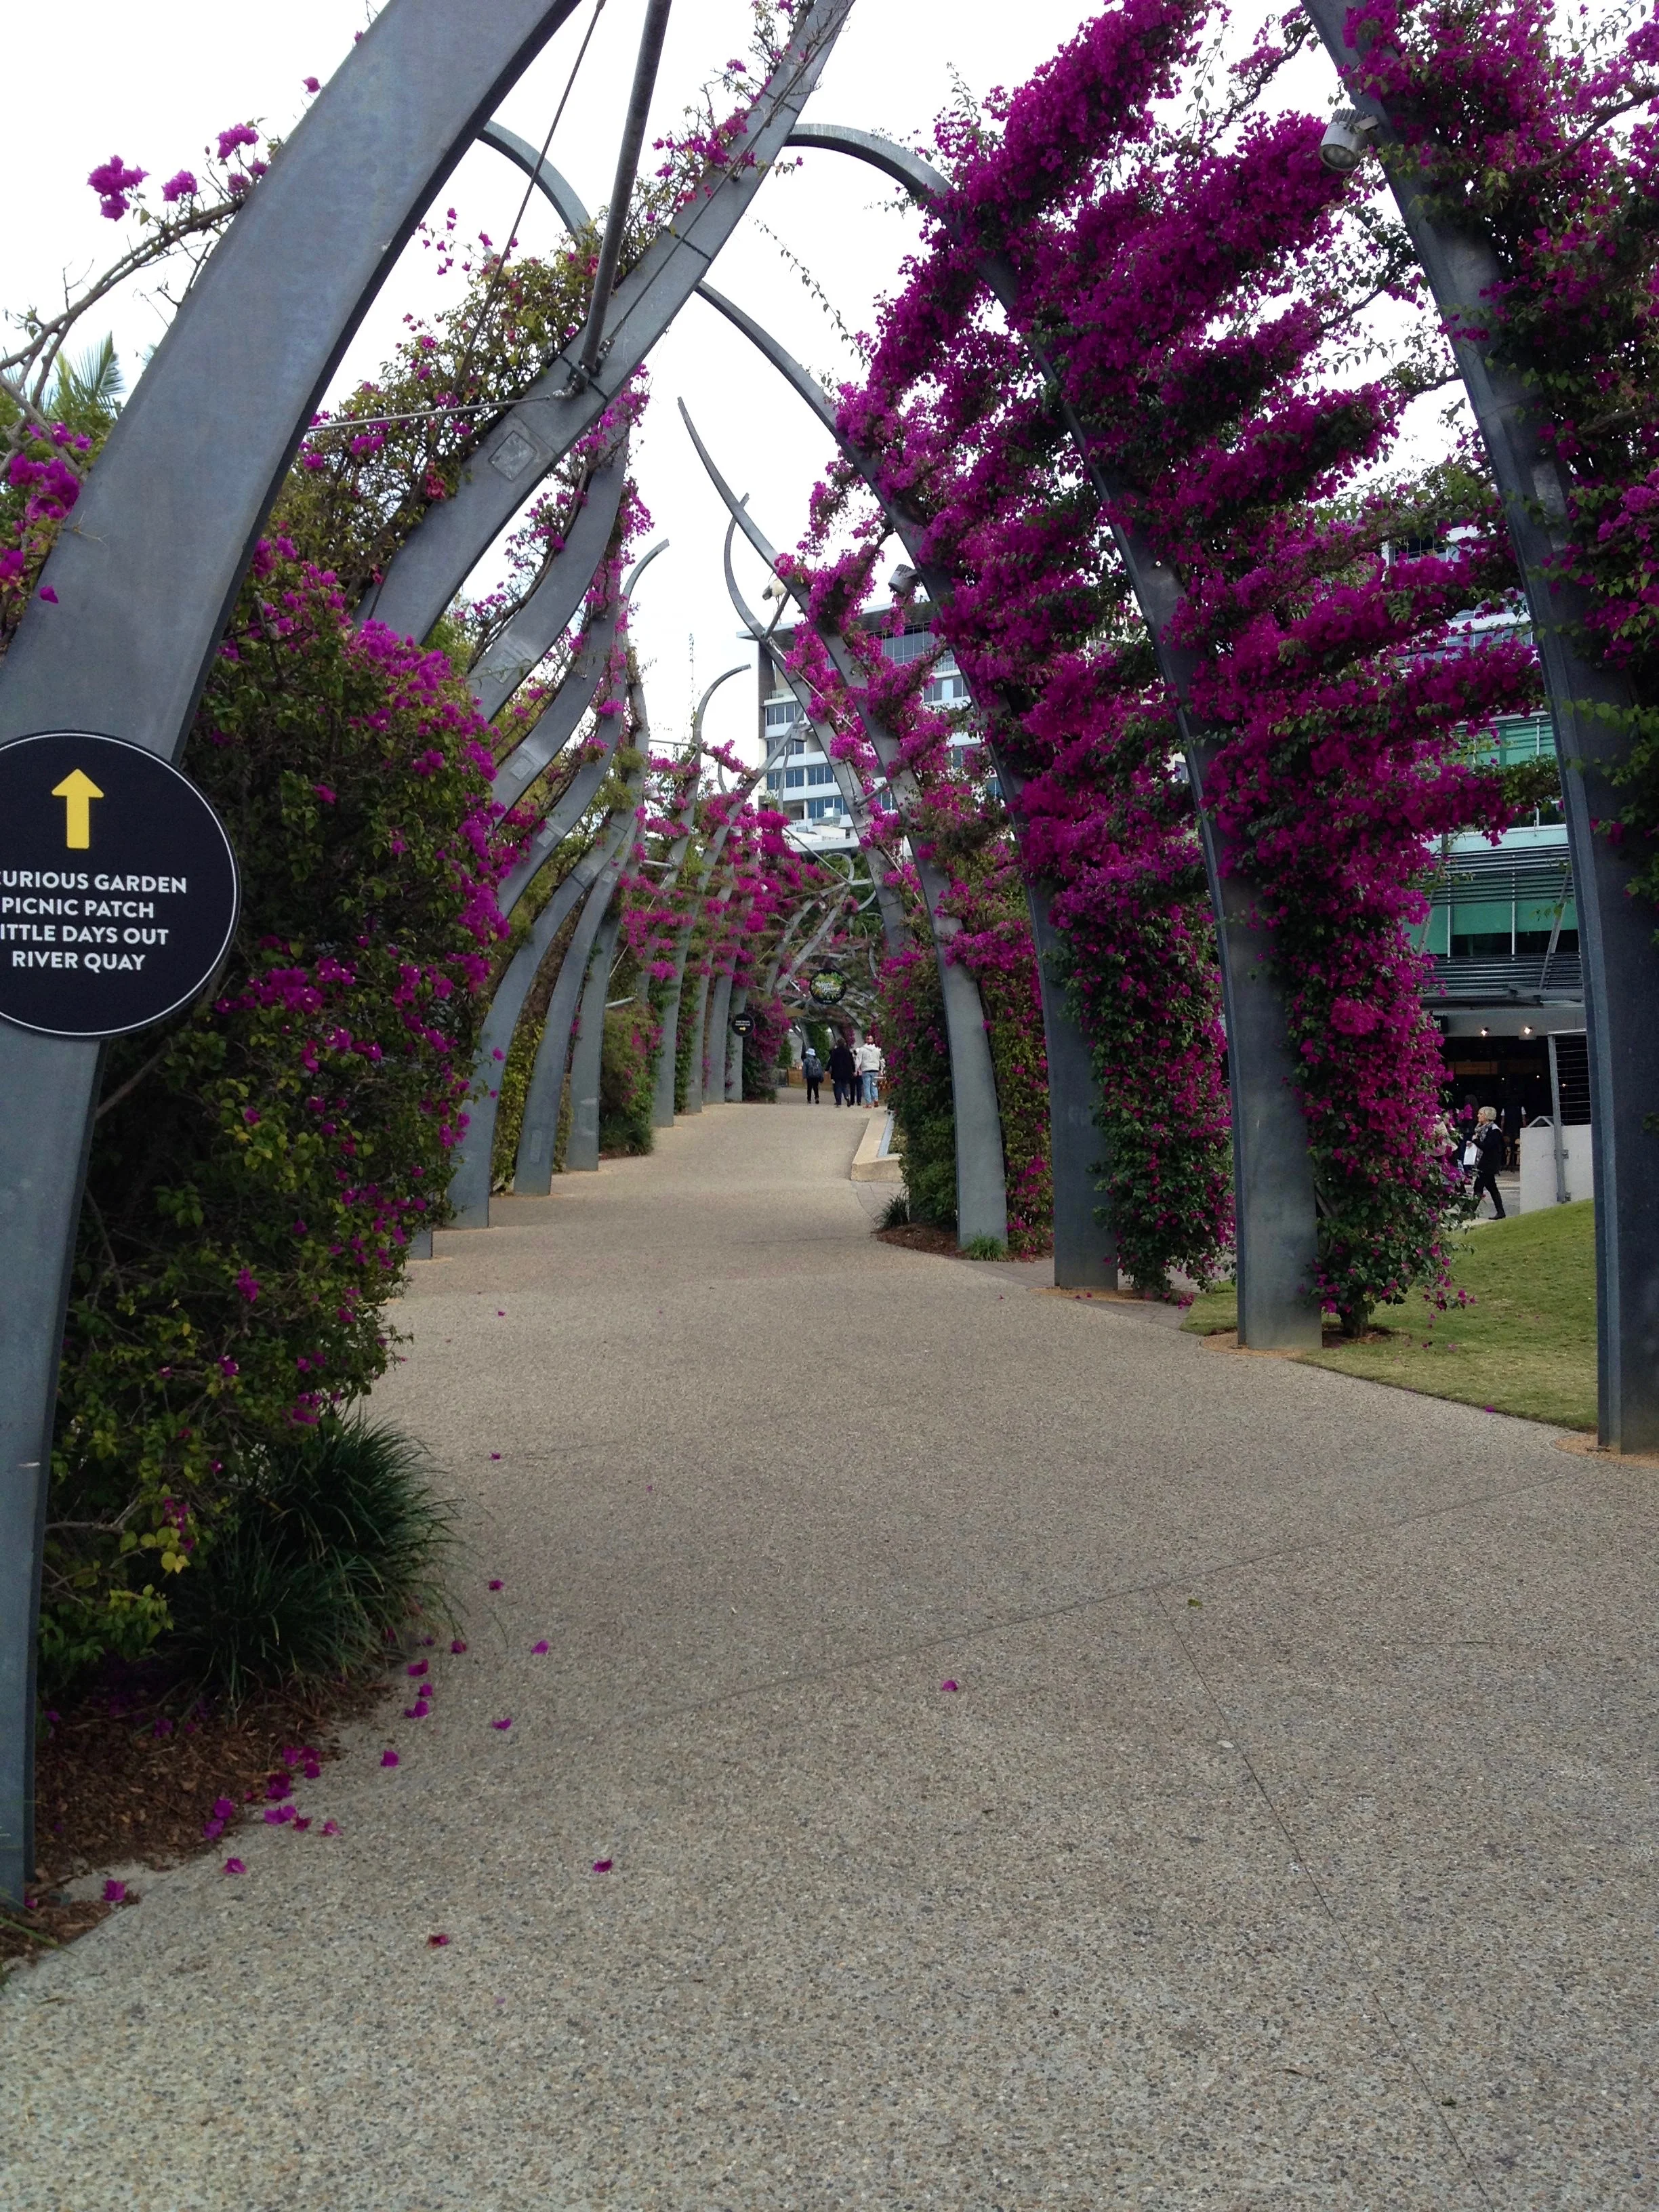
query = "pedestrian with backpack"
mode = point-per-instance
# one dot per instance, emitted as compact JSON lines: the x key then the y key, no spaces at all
{"x":813,"y":1068}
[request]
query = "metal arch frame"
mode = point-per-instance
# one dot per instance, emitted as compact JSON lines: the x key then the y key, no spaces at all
{"x":712,"y":850}
{"x":1616,"y":932}
{"x":1275,"y":1204}
{"x":469,"y":1180}
{"x":1085,"y":1245}
{"x":664,"y":1072}
{"x":894,"y":929}
{"x":559,"y":406}
{"x":981,"y":1177}
{"x":533,"y":1170}
{"x":468,"y":1185}
{"x":145,"y":576}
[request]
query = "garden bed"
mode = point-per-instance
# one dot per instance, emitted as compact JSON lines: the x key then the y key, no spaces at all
{"x":122,"y":1780}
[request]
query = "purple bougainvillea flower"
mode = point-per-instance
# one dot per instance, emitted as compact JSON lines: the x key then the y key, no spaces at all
{"x":388,"y":1759}
{"x":603,"y":1866}
{"x":234,"y":1866}
{"x":330,"y":1827}
{"x":212,"y":1830}
{"x":115,"y":1892}
{"x":950,"y":1685}
{"x":498,"y":1585}
{"x":224,"y":1808}
{"x":49,"y":595}
{"x":504,"y":1724}
{"x":181,"y":186}
{"x":311,"y":84}
{"x":458,"y":1646}
{"x":436,"y":1942}
{"x":417,"y":1666}
{"x":275,"y":1816}
{"x":300,"y":1825}
{"x":538,"y":1649}
{"x":494,"y":1455}
{"x":311,"y":1768}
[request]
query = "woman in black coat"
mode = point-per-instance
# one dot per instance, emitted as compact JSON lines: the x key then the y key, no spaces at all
{"x":842,"y":1072}
{"x":1488,"y":1139}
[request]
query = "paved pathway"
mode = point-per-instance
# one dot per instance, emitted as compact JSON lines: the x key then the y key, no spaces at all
{"x":1286,"y":1842}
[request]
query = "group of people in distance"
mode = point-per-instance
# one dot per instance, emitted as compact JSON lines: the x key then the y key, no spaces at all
{"x":855,"y":1072}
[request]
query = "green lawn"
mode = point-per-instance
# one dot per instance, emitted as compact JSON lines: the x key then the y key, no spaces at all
{"x":1526,"y":1344}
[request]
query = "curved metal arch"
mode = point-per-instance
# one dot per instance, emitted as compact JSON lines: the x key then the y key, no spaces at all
{"x":1085,"y":1250}
{"x":895,"y":930}
{"x":1275,"y":1208}
{"x":537,"y":625}
{"x":468,"y":1185}
{"x":145,"y":576}
{"x":981,"y":1180}
{"x":551,"y":183}
{"x":1615,"y":929}
{"x":560,"y":718}
{"x":581,"y":1151}
{"x":534,"y":434}
{"x":711,"y":854}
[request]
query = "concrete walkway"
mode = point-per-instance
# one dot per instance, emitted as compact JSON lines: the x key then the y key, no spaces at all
{"x":1286,"y":1840}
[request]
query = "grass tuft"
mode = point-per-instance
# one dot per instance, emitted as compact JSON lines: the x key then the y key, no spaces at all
{"x":322,"y":1554}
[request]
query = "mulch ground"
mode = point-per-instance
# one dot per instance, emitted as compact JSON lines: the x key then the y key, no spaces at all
{"x":919,"y":1236}
{"x":123,"y":1778}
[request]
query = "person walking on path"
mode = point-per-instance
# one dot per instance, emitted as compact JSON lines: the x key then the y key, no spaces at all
{"x":813,"y":1068}
{"x":871,"y":1065}
{"x":842,"y":1072}
{"x":1488,"y":1146}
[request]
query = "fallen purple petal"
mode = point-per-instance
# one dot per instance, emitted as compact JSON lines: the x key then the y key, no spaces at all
{"x":115,"y":1892}
{"x":603,"y":1866}
{"x":536,"y":1649}
{"x":498,"y":1585}
{"x":950,"y":1685}
{"x":234,"y":1866}
{"x":458,"y":1646}
{"x":417,"y":1667}
{"x":436,"y":1942}
{"x":330,"y":1827}
{"x":506,"y":1723}
{"x":388,"y":1759}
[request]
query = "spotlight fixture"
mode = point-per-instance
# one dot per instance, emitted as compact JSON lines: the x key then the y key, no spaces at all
{"x":1485,"y":1032}
{"x":1347,"y":140}
{"x":1525,"y":1031}
{"x":903,"y":578}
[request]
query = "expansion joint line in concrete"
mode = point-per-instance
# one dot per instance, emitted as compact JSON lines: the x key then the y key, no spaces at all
{"x":1300,"y":1863}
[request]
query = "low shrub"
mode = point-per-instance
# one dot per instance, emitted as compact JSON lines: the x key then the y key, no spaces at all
{"x":625,"y":1083}
{"x":320,"y":1554}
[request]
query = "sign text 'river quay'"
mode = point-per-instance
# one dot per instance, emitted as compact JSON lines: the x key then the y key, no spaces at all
{"x":118,"y":886}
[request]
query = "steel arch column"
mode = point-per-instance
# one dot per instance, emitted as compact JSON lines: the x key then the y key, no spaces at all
{"x":581,"y":1153}
{"x":1085,"y":1255}
{"x":981,"y":1182}
{"x":145,"y":577}
{"x":1616,"y":931}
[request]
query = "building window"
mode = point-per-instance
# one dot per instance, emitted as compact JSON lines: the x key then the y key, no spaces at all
{"x":915,"y":645}
{"x":774,"y":780}
{"x":817,"y":809}
{"x":781,"y":712}
{"x":793,"y":778}
{"x":822,"y":773}
{"x":796,"y":746}
{"x":948,"y":688}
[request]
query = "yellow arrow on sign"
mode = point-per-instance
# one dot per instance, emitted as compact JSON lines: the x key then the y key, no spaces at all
{"x":77,"y":791}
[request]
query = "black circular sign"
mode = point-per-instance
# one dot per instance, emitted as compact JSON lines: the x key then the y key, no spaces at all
{"x":743,"y":1023}
{"x":118,"y":886}
{"x":827,"y":988}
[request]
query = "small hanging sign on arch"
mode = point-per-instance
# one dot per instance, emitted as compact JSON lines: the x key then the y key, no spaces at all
{"x":119,"y":887}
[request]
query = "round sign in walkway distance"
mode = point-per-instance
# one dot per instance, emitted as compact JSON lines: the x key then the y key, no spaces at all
{"x":827,"y":988}
{"x":118,"y":886}
{"x":743,"y":1023}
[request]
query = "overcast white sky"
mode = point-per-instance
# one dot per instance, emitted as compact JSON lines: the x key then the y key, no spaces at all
{"x":154,"y":85}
